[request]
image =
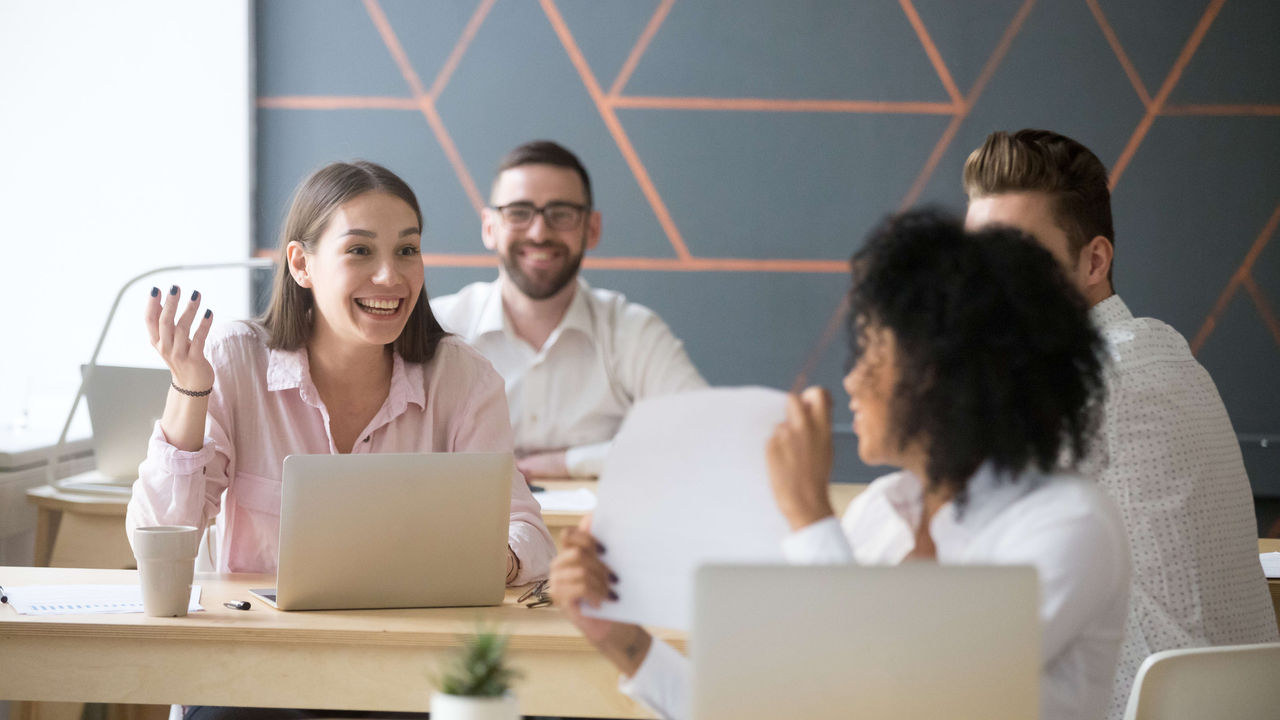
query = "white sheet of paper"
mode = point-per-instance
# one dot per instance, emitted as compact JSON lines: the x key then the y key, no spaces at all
{"x":1270,"y":564}
{"x":83,"y":599}
{"x":684,"y":484}
{"x":580,"y":500}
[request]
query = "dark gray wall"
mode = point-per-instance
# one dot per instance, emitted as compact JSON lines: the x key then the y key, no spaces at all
{"x":1181,"y":99}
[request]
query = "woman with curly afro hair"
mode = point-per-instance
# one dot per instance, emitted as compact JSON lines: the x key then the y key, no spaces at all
{"x":975,"y":370}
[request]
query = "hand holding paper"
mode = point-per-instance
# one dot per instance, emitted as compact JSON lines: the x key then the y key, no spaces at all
{"x":799,"y":457}
{"x":685,"y":484}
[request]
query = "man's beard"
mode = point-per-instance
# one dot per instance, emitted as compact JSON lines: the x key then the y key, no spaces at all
{"x":541,"y":289}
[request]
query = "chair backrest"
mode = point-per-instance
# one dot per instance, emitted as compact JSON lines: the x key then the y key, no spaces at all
{"x":1240,"y":682}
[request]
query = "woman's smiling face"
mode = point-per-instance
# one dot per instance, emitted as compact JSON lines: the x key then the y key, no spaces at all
{"x":871,"y":385}
{"x":366,"y":270}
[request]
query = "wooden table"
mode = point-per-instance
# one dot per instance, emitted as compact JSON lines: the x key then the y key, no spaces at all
{"x":87,"y":530}
{"x":354,"y":659}
{"x":841,"y":495}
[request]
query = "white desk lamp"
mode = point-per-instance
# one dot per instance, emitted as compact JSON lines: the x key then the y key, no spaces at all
{"x":87,"y":375}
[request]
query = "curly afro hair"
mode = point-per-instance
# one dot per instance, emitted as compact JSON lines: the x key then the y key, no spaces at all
{"x":997,"y":358}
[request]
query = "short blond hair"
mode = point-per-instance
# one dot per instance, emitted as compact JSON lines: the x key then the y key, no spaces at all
{"x":1044,"y":161}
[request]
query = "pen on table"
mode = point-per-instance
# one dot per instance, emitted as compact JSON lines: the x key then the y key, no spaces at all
{"x":4,"y":596}
{"x":236,"y":605}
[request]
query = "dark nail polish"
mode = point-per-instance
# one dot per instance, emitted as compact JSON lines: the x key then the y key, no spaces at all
{"x":194,"y":294}
{"x":613,"y":578}
{"x":173,"y":290}
{"x":155,"y":291}
{"x":208,"y":314}
{"x":613,"y":596}
{"x":599,"y":547}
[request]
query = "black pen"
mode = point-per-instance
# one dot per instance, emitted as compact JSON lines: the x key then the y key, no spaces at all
{"x":4,"y":596}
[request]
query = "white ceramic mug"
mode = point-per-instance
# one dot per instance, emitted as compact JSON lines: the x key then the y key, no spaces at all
{"x":166,"y":557}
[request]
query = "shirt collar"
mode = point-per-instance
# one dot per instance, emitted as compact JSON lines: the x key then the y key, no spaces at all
{"x":493,"y":316}
{"x":289,"y":369}
{"x":578,"y":316}
{"x":1109,"y":311}
{"x":988,"y":494}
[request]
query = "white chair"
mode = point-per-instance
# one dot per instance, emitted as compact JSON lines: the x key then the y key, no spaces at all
{"x":1232,"y":682}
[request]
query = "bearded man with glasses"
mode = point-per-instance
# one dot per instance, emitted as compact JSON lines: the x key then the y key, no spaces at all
{"x":575,"y":358}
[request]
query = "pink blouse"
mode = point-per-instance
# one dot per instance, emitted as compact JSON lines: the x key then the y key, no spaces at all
{"x":265,"y":406}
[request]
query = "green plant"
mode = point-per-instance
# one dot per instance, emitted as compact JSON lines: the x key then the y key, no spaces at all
{"x":479,"y":669}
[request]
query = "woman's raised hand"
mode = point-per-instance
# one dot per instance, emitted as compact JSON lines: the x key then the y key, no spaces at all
{"x":799,"y":458}
{"x":181,"y":350}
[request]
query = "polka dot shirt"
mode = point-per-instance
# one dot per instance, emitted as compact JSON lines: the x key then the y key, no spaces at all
{"x":1170,"y":458}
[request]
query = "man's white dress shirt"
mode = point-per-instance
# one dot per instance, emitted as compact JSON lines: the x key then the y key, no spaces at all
{"x":1065,"y":527}
{"x":573,"y":392}
{"x":1172,"y":462}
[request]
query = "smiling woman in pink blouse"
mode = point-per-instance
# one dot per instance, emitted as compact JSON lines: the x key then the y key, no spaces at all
{"x":347,"y":359}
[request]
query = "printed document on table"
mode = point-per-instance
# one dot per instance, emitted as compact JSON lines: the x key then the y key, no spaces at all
{"x":580,"y":500}
{"x":83,"y":599}
{"x":1270,"y":564}
{"x":685,"y":484}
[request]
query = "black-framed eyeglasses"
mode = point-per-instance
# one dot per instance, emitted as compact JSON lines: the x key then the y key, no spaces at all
{"x":558,"y":215}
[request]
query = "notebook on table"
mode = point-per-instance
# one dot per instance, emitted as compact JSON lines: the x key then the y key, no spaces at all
{"x":392,"y":531}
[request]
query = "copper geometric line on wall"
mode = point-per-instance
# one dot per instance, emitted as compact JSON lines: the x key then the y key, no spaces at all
{"x":423,"y":99}
{"x":835,"y":320}
{"x":1243,"y":276}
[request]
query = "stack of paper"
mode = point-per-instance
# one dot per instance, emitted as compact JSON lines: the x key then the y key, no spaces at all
{"x":1270,"y":564}
{"x":686,"y":484}
{"x":580,"y":500}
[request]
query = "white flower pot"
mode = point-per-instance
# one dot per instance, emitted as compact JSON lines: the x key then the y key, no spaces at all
{"x":463,"y":707}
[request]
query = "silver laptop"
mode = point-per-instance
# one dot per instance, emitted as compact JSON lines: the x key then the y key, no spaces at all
{"x":392,"y":531}
{"x":124,"y":404}
{"x":915,"y":641}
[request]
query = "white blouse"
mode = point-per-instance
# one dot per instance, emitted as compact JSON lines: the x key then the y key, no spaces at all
{"x":1063,"y":526}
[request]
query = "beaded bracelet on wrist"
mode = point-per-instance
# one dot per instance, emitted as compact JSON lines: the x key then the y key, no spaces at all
{"x":190,"y":393}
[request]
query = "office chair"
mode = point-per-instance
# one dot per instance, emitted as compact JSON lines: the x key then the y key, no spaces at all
{"x":1240,"y":682}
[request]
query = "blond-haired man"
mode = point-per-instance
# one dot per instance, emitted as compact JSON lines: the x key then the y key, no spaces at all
{"x":1168,"y":453}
